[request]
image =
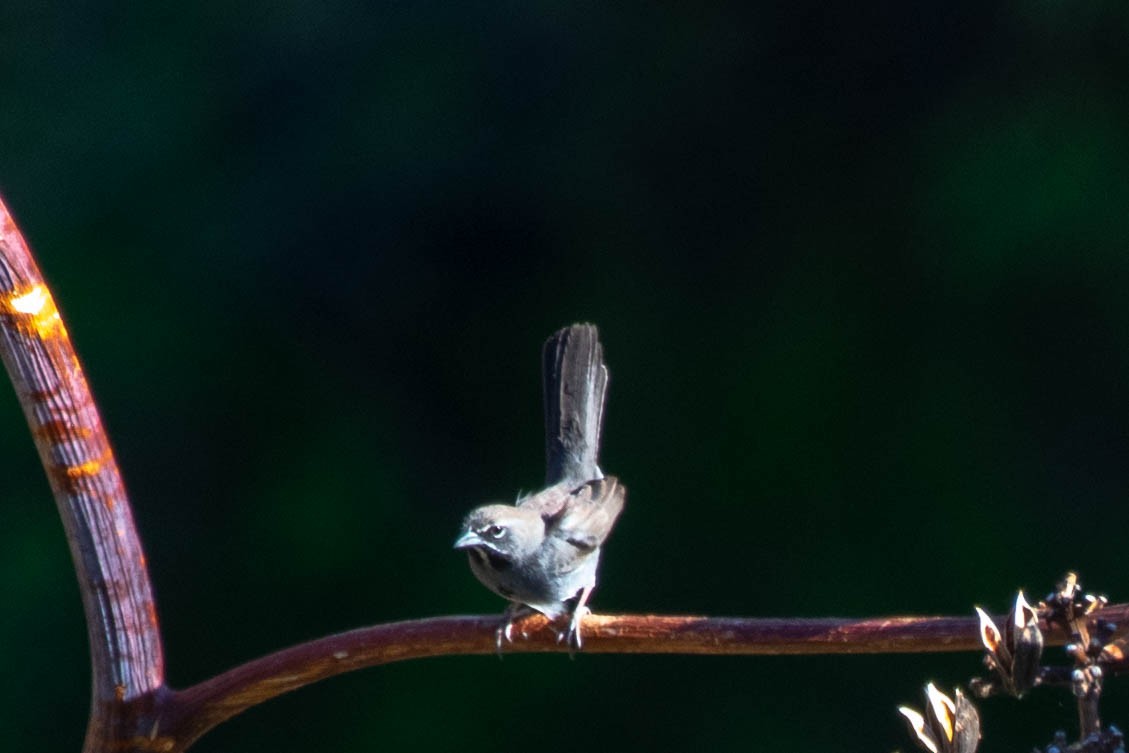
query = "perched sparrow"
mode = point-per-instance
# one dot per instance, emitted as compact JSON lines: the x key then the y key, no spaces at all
{"x":543,"y":551}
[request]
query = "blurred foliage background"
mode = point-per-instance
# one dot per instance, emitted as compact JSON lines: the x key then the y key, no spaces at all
{"x":860,"y":271}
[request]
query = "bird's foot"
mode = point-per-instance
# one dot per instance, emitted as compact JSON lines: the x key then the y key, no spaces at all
{"x":579,"y":611}
{"x":572,"y":632}
{"x":515,"y":614}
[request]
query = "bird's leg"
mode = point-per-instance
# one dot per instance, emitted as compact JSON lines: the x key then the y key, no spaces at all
{"x":578,"y":612}
{"x":513,"y":613}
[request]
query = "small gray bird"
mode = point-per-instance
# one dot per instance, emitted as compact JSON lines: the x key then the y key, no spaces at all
{"x":543,"y":552}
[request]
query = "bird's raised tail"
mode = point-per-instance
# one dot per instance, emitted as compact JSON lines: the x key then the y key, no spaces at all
{"x":575,"y":382}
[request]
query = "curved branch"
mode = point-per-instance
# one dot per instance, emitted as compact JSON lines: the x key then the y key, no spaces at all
{"x":195,"y":710}
{"x":132,"y":710}
{"x":121,"y":619}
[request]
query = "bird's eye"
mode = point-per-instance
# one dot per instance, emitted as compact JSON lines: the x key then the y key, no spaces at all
{"x":496,"y":531}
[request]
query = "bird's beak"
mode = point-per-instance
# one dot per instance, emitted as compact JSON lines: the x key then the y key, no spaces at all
{"x":467,"y":540}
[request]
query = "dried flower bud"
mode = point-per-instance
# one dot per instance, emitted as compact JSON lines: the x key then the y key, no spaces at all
{"x":1069,"y":607}
{"x":1013,"y":656}
{"x":947,"y":726}
{"x":1079,"y":684}
{"x":1027,"y":644}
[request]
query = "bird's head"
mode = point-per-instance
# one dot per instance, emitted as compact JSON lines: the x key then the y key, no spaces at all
{"x":505,"y":531}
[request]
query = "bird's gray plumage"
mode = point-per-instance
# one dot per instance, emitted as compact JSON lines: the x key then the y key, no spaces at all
{"x":543,"y":551}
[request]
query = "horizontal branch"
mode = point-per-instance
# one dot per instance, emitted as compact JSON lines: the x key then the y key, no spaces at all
{"x":195,"y":710}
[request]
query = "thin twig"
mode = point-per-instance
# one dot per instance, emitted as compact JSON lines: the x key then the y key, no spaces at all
{"x":201,"y":707}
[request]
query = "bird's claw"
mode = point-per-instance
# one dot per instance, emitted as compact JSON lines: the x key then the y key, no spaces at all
{"x":505,"y":630}
{"x":506,"y":627}
{"x":572,"y":632}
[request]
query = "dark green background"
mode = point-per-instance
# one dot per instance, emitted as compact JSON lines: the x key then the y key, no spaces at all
{"x":861,"y":272}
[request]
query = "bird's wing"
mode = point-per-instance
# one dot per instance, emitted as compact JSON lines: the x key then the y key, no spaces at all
{"x":549,"y":503}
{"x":589,"y":513}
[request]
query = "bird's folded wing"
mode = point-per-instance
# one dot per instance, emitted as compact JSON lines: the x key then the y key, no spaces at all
{"x":589,"y":513}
